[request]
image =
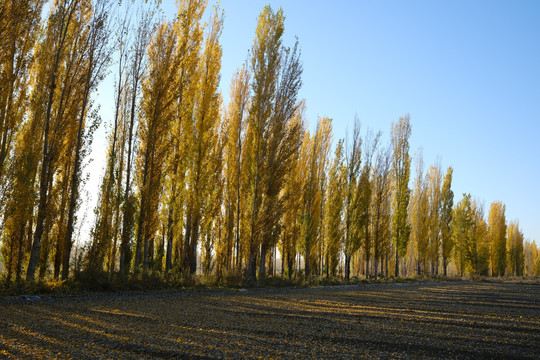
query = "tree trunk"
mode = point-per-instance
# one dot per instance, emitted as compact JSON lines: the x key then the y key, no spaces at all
{"x":347,"y":267}
{"x":386,"y":266}
{"x":262,"y":262}
{"x":252,"y":264}
{"x":444,"y":266}
{"x":375,"y":265}
{"x":307,"y":269}
{"x":194,"y":242}
{"x":20,"y":254}
{"x":397,"y":263}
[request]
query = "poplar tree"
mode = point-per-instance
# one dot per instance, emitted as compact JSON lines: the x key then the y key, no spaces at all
{"x":434,"y":198}
{"x":19,"y":25}
{"x":401,"y":161}
{"x":272,"y":138}
{"x":19,"y":143}
{"x":293,"y":202}
{"x":109,"y":198}
{"x":265,"y":65}
{"x":480,"y":259}
{"x":203,"y":137}
{"x":352,"y":162}
{"x":515,"y":259}
{"x":497,"y":238}
{"x":447,"y":202}
{"x":419,"y":215}
{"x":364,"y":197}
{"x":98,"y":56}
{"x":157,"y":111}
{"x":189,"y":34}
{"x":381,"y":208}
{"x":137,"y":72}
{"x":315,"y":154}
{"x":235,"y":122}
{"x":63,"y":31}
{"x":283,"y":140}
{"x":462,"y":220}
{"x":334,"y":210}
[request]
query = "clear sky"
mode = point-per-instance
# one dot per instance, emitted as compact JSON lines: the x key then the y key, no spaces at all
{"x":467,"y":72}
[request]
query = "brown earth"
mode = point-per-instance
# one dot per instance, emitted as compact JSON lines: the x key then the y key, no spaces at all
{"x":438,"y":320}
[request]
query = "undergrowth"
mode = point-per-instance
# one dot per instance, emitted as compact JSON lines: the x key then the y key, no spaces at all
{"x":91,"y":282}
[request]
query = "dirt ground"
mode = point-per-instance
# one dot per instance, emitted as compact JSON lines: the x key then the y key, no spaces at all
{"x":464,"y":320}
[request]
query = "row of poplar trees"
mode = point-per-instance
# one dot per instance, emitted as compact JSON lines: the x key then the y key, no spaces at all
{"x":191,"y":184}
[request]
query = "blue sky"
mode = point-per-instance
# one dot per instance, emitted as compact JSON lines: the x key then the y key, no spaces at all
{"x":467,"y":72}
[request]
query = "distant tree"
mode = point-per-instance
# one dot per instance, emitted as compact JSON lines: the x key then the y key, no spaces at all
{"x":334,"y":210}
{"x":419,"y":215}
{"x":293,"y":201}
{"x":316,"y":159}
{"x":515,"y":261}
{"x":434,"y":177}
{"x":461,"y":224}
{"x":364,"y":195}
{"x":497,"y":238}
{"x":447,"y":202}
{"x":381,"y":203}
{"x":235,"y":123}
{"x":353,"y":158}
{"x":479,"y":261}
{"x":401,"y":161}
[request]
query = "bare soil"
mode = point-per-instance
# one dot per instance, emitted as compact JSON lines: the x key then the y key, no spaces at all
{"x":460,"y":320}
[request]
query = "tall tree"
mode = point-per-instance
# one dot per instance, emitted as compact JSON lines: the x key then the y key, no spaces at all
{"x":353,"y":160}
{"x":401,"y":161}
{"x":462,"y":219}
{"x":497,"y":238}
{"x":315,"y":154}
{"x":109,"y":200}
{"x":364,"y":197}
{"x":19,"y":25}
{"x":434,"y":197}
{"x":63,"y":29}
{"x":283,"y":140}
{"x":137,"y":70}
{"x":334,"y":210}
{"x":515,"y":261}
{"x":293,"y":202}
{"x":189,"y":33}
{"x":420,"y":216}
{"x":265,"y":64}
{"x":157,"y":112}
{"x":98,"y":55}
{"x":235,"y":118}
{"x":272,"y":138}
{"x":381,"y":207}
{"x":447,"y":202}
{"x":203,"y":135}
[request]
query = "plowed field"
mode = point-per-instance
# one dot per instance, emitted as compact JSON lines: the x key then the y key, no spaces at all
{"x":439,"y":320}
